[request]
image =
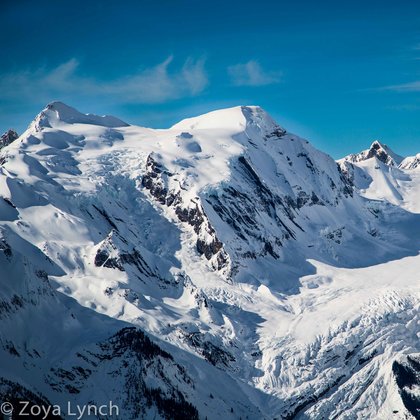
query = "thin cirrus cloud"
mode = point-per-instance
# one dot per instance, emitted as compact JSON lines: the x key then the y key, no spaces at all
{"x":404,"y":87}
{"x":252,"y":74}
{"x":155,"y":84}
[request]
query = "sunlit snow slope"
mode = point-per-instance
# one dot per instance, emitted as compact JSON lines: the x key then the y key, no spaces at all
{"x":223,"y":268}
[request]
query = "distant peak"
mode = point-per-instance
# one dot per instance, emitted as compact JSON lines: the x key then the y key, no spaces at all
{"x":56,"y":113}
{"x":377,"y":145}
{"x":384,"y":154}
{"x":379,"y":151}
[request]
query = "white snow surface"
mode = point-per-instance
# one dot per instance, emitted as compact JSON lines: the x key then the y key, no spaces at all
{"x":285,"y":283}
{"x":411,"y":162}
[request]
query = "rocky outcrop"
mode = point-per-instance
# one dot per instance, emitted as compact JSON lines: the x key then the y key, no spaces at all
{"x":148,"y":376}
{"x":7,"y":138}
{"x":407,"y":376}
{"x":156,"y":180}
{"x":114,"y":252}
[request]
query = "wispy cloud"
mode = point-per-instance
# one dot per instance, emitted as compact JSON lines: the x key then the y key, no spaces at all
{"x":404,"y":107}
{"x":252,"y":74}
{"x":404,"y":87}
{"x":157,"y":84}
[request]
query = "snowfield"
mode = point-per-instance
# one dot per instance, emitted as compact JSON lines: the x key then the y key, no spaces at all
{"x":222,"y":268}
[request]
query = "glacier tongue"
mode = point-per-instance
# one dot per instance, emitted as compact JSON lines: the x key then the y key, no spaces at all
{"x":222,"y":268}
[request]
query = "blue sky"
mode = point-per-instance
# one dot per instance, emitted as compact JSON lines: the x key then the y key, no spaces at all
{"x":339,"y":73}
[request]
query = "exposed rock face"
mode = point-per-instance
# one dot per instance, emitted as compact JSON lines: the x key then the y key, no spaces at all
{"x":7,"y":138}
{"x":115,"y":253}
{"x":216,"y":355}
{"x":21,"y":397}
{"x":407,"y":375}
{"x":139,"y":364}
{"x":157,"y":180}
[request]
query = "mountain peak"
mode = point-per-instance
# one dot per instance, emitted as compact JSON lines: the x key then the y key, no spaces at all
{"x":226,"y":118}
{"x":235,"y":119}
{"x":60,"y":106}
{"x":378,"y":150}
{"x":376,"y":144}
{"x":56,"y":113}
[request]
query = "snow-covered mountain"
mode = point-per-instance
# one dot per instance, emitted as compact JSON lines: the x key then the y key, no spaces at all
{"x":223,"y":268}
{"x":381,"y":151}
{"x":411,"y":162}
